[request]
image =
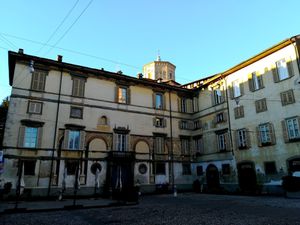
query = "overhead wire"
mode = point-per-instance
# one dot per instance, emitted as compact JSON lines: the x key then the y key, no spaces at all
{"x":59,"y":26}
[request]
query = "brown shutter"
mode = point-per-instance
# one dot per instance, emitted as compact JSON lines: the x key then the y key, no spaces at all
{"x":242,"y":88}
{"x":153,"y":99}
{"x":128,"y":100}
{"x":21,"y":136}
{"x":164,"y":99}
{"x":290,"y":68}
{"x":213,"y":98}
{"x":82,"y":140}
{"x":272,"y":133}
{"x":39,"y":137}
{"x":225,"y":116}
{"x":248,"y":138}
{"x":227,"y":141}
{"x":285,"y":131}
{"x":66,"y":139}
{"x":164,"y":122}
{"x":275,"y":74}
{"x":41,"y":81}
{"x":179,"y":104}
{"x":250,"y":82}
{"x":258,"y":137}
{"x":231,"y":92}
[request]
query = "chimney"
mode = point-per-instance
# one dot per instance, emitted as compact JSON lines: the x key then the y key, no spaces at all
{"x":59,"y":58}
{"x":21,"y":51}
{"x":140,"y":75}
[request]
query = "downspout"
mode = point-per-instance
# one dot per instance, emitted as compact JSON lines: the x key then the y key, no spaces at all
{"x":228,"y":113}
{"x":297,"y":43}
{"x":59,"y":58}
{"x":171,"y":140}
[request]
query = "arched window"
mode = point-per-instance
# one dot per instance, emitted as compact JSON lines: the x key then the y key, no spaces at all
{"x":103,"y":120}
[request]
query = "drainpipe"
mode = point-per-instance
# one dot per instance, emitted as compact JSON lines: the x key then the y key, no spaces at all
{"x":171,"y":140}
{"x":59,"y":59}
{"x":297,"y":43}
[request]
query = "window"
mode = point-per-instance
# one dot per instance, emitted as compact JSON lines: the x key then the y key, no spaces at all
{"x":159,"y":101}
{"x":186,"y":125}
{"x":243,"y":139}
{"x":239,"y":112}
{"x":71,"y":166}
{"x":159,"y":144}
{"x":160,"y":168}
{"x":197,"y":124}
{"x":291,"y":129}
{"x":198,"y":144}
{"x":236,"y":90}
{"x":226,"y":169}
{"x":218,"y":97}
{"x":35,"y":107}
{"x":185,"y":105}
{"x":220,"y":117}
{"x":30,"y":137}
{"x":283,"y":70}
{"x":122,"y":142}
{"x":38,"y":80}
{"x":255,"y":81}
{"x":159,"y":122}
{"x":199,"y":170}
{"x":74,"y":140}
{"x":103,"y":121}
{"x":270,"y":168}
{"x":78,"y":86}
{"x":185,"y":146}
{"x":261,"y":105}
{"x":222,"y":142}
{"x":76,"y":112}
{"x":123,"y":95}
{"x":265,"y":134}
{"x":186,"y":169}
{"x":287,"y":97}
{"x":29,"y":167}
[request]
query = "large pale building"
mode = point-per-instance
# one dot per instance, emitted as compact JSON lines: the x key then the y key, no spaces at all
{"x":236,"y":130}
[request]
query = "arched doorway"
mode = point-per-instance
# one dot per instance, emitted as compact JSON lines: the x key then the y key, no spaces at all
{"x":212,"y":178}
{"x":294,"y":164}
{"x":247,"y":176}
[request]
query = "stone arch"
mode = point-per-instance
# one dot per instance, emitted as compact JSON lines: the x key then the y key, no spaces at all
{"x":97,"y":147}
{"x":103,"y":121}
{"x":142,"y":149}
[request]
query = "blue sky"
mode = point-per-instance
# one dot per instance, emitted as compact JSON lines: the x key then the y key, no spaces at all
{"x":200,"y":37}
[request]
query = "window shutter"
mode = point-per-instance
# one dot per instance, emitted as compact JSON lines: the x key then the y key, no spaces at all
{"x":242,"y":88}
{"x":291,"y":98}
{"x":154,"y":121}
{"x":275,"y":74}
{"x":241,"y":109}
{"x":213,"y":98}
{"x":66,"y":139}
{"x":164,"y":99}
{"x":153,"y":100}
{"x":82,"y":140}
{"x":236,"y":135}
{"x":227,"y":141}
{"x":179,"y":104}
{"x":264,"y":105}
{"x":21,"y":136}
{"x":214,"y":121}
{"x":41,"y":81}
{"x":258,"y":137}
{"x":128,"y":100}
{"x":190,"y":125}
{"x":75,"y":87}
{"x":283,"y":98}
{"x":290,"y":68}
{"x":39,"y":137}
{"x":250,"y":82}
{"x":164,"y":122}
{"x":116,"y":94}
{"x":225,"y":116}
{"x":248,"y":138}
{"x":231,"y":92}
{"x":285,"y":131}
{"x":222,"y":96}
{"x":260,"y":79}
{"x":272,"y":133}
{"x":196,"y":106}
{"x":81,"y":83}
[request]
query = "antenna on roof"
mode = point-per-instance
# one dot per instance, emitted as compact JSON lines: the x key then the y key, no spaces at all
{"x":158,"y":56}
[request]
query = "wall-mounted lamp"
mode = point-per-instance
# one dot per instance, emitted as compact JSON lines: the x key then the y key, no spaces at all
{"x":31,"y":68}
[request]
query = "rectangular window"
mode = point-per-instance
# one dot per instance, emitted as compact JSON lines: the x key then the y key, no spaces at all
{"x":222,"y":141}
{"x":158,"y":101}
{"x":217,"y":96}
{"x":287,"y":97}
{"x":270,"y":168}
{"x":121,"y":142}
{"x":159,"y":145}
{"x":160,"y":168}
{"x":35,"y":107}
{"x":76,"y":112}
{"x":186,"y":169}
{"x":38,"y":80}
{"x":78,"y":87}
{"x":199,"y":170}
{"x":261,"y":105}
{"x":29,"y":167}
{"x":185,"y":146}
{"x":265,"y":133}
{"x":199,"y":148}
{"x":183,"y":105}
{"x":226,"y":169}
{"x":255,"y":81}
{"x":282,"y":69}
{"x":243,"y":140}
{"x":30,"y":137}
{"x":122,"y":95}
{"x":239,"y":112}
{"x":71,"y":166}
{"x":159,"y":122}
{"x":220,"y":117}
{"x":236,"y":89}
{"x":293,"y":128}
{"x":74,"y":140}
